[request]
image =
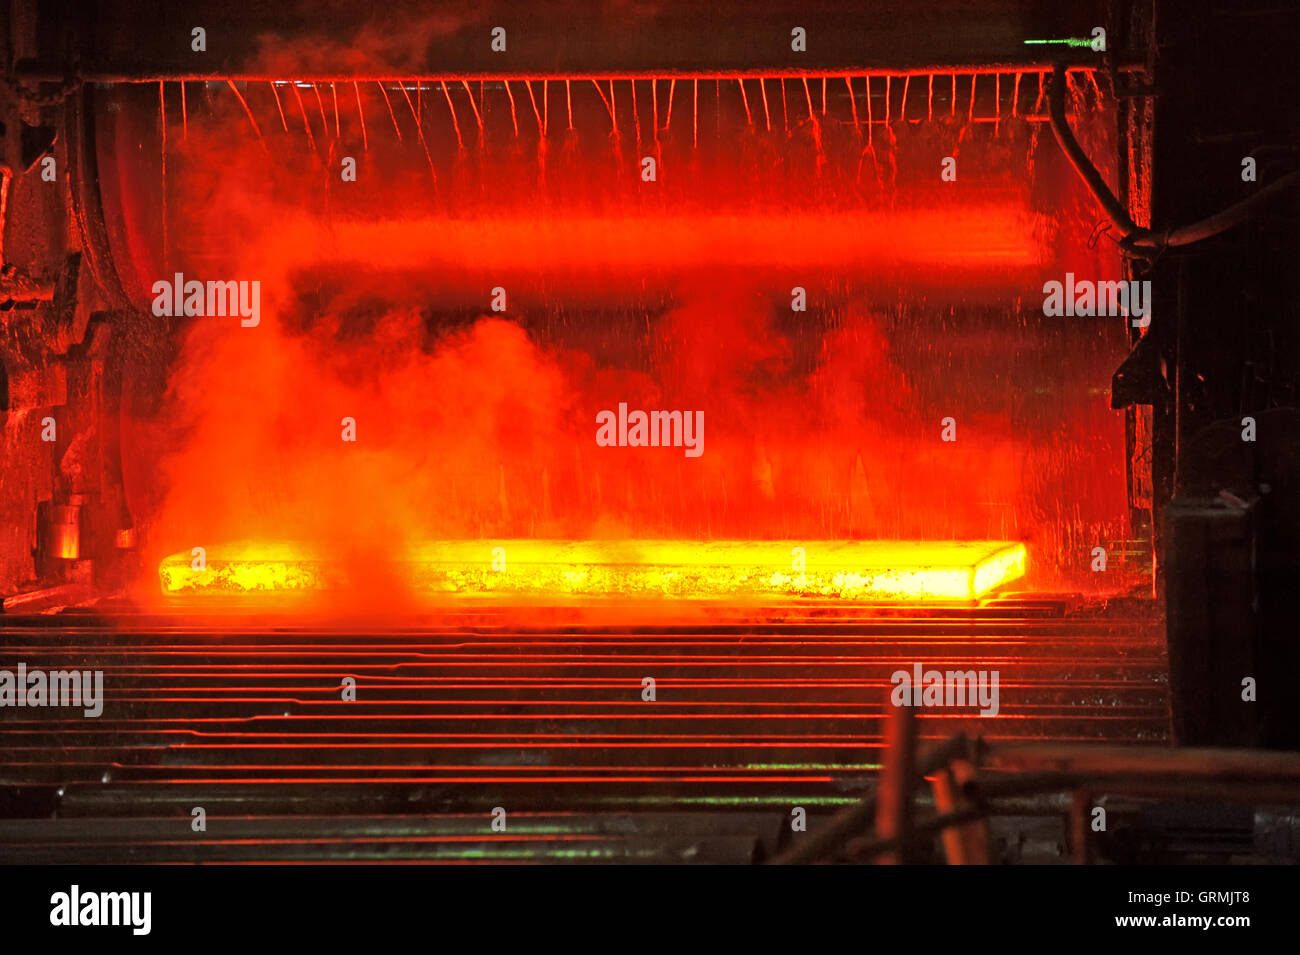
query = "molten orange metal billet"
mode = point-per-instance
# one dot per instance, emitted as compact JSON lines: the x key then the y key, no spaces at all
{"x":917,"y":570}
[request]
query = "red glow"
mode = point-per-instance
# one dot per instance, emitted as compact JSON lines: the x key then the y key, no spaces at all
{"x":978,"y":241}
{"x":672,"y":294}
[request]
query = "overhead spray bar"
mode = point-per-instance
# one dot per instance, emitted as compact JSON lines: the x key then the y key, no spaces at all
{"x":49,"y":74}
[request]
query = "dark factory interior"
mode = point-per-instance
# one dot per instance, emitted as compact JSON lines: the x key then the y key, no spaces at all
{"x":650,"y":432}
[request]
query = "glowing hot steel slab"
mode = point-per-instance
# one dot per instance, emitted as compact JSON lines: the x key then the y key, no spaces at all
{"x":917,"y":570}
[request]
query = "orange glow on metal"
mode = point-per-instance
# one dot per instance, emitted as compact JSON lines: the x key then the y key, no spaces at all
{"x":69,"y":543}
{"x":846,"y":570}
{"x":975,"y":235}
{"x":1026,"y":68}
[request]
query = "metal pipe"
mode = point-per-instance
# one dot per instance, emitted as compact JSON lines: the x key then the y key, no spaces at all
{"x":975,"y":837}
{"x":867,"y":846}
{"x":1135,"y":238}
{"x":1080,"y":818}
{"x":1232,"y":216}
{"x":1111,"y":206}
{"x":947,"y":801}
{"x":852,"y":818}
{"x":894,"y":798}
{"x":45,"y":74}
{"x":1087,"y":760}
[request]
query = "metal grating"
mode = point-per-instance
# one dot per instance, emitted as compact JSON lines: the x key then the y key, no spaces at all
{"x":451,"y":721}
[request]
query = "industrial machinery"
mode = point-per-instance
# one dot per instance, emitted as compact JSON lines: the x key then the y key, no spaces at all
{"x":818,"y":432}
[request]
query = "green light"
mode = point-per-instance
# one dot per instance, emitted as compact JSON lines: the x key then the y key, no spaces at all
{"x":845,"y":767}
{"x":734,"y":802}
{"x":1068,"y":41}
